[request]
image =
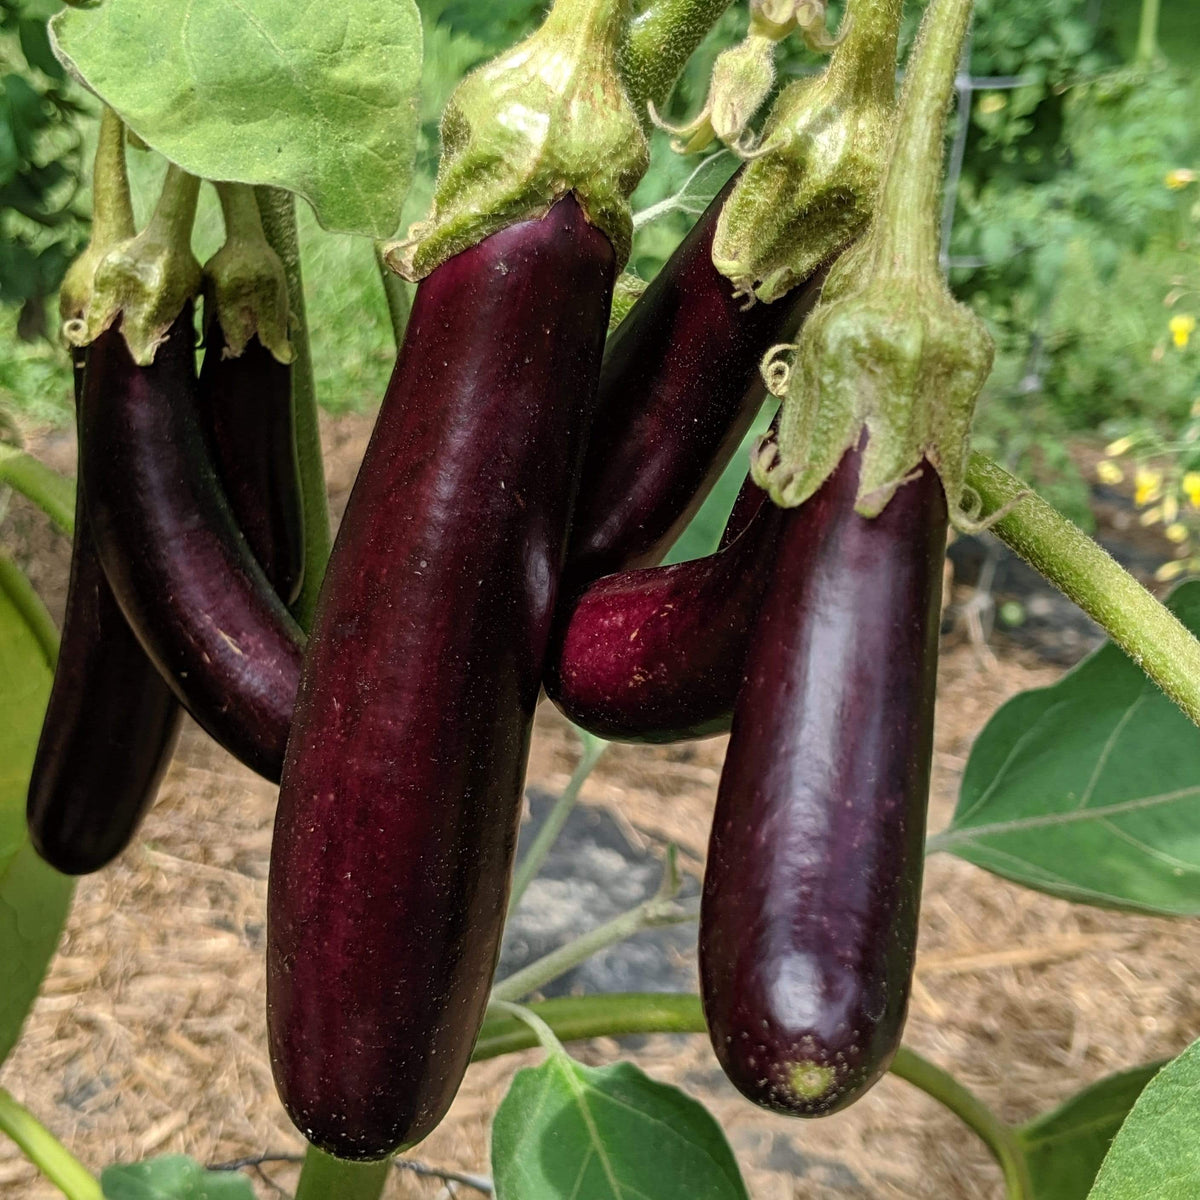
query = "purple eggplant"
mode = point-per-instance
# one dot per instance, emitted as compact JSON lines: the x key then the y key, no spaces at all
{"x":110,"y":725}
{"x":401,"y":794}
{"x":658,"y":654}
{"x":246,"y":412}
{"x":808,"y":921}
{"x":679,"y":387}
{"x":178,"y":565}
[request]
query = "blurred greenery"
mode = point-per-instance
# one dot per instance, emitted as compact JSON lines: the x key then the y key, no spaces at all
{"x":1066,"y":237}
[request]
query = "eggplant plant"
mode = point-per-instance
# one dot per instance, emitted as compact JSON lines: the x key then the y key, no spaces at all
{"x":537,"y":452}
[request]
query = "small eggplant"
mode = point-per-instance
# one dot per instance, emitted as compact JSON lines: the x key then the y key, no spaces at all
{"x":808,"y":920}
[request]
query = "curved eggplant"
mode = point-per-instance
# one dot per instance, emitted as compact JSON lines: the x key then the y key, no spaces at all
{"x":246,"y":412}
{"x":679,"y":387}
{"x":401,"y":795}
{"x":177,"y":563}
{"x":808,"y":919}
{"x":658,"y":654}
{"x":110,"y":726}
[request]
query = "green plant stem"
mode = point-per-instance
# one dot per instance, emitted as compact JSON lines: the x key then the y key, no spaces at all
{"x":46,"y":1152}
{"x":53,"y":493}
{"x":240,"y":211}
{"x":658,"y":43}
{"x":16,"y":586}
{"x":324,"y":1177}
{"x":577,"y":1018}
{"x":278,"y":209}
{"x":907,"y":217}
{"x":1147,"y":43}
{"x":396,"y":292}
{"x":999,"y":1138}
{"x":651,"y":914}
{"x":1151,"y":635}
{"x":535,"y":856}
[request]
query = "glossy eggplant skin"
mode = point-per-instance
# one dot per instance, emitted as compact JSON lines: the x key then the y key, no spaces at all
{"x":110,"y":726}
{"x":658,"y":654}
{"x":181,"y":570}
{"x":808,"y":918}
{"x":679,"y":387}
{"x":246,"y":412}
{"x":401,"y":795}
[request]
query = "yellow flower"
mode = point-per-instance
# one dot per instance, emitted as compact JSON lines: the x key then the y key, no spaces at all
{"x":1109,"y":472}
{"x":1182,"y":327}
{"x":1148,"y":486}
{"x":1177,"y":532}
{"x":1179,"y":178}
{"x":994,"y":102}
{"x":1170,"y":507}
{"x":1170,"y":570}
{"x":1119,"y":447}
{"x":1152,"y":516}
{"x":1191,"y":485}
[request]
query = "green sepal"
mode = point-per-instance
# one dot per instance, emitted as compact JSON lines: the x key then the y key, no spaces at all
{"x":900,"y":360}
{"x":811,"y":185}
{"x":548,"y":117}
{"x":245,"y":288}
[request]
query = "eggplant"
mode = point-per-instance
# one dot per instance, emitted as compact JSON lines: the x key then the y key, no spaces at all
{"x":658,"y":654}
{"x":679,"y":387}
{"x":110,"y":725}
{"x":181,"y":570}
{"x":808,"y":920}
{"x":401,"y":796}
{"x":246,"y":412}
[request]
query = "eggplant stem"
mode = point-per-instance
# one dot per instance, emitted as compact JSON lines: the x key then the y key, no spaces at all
{"x":1084,"y":572}
{"x":278,"y":211}
{"x":46,"y":1152}
{"x":535,"y":856}
{"x":395,"y":291}
{"x":578,"y":1018}
{"x":324,"y":1177}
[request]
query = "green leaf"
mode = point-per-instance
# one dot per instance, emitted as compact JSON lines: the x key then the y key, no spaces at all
{"x":1064,"y":1148}
{"x":1156,"y":1153}
{"x":697,"y":192}
{"x":320,"y":101}
{"x":608,"y":1133}
{"x":1089,"y":789}
{"x":173,"y":1177}
{"x":34,"y":898}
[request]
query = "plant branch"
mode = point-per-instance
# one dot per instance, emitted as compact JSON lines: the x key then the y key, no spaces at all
{"x":1147,"y":631}
{"x":661,"y":909}
{"x":16,"y":586}
{"x":658,"y":44}
{"x":396,"y":293}
{"x":995,"y":1134}
{"x":46,"y":1152}
{"x":1147,"y":43}
{"x":535,"y":856}
{"x":278,"y":209}
{"x":53,"y":493}
{"x":577,"y":1018}
{"x":324,"y":1177}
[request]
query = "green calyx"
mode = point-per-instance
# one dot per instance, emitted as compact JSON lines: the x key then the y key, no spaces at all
{"x":112,"y":223}
{"x":146,"y":280}
{"x":811,"y":185}
{"x":889,"y":352}
{"x":550,"y":116}
{"x":245,"y":287}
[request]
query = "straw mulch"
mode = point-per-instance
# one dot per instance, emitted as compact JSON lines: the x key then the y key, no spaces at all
{"x":149,"y":1038}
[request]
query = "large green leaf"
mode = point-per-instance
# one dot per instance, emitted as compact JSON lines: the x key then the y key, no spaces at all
{"x":34,"y":898}
{"x":608,"y":1133}
{"x":173,"y":1177}
{"x":1089,"y":789}
{"x":1064,"y":1148}
{"x":1156,"y":1154}
{"x":317,"y":98}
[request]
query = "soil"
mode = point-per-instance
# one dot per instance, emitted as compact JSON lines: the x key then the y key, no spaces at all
{"x":148,"y":1036}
